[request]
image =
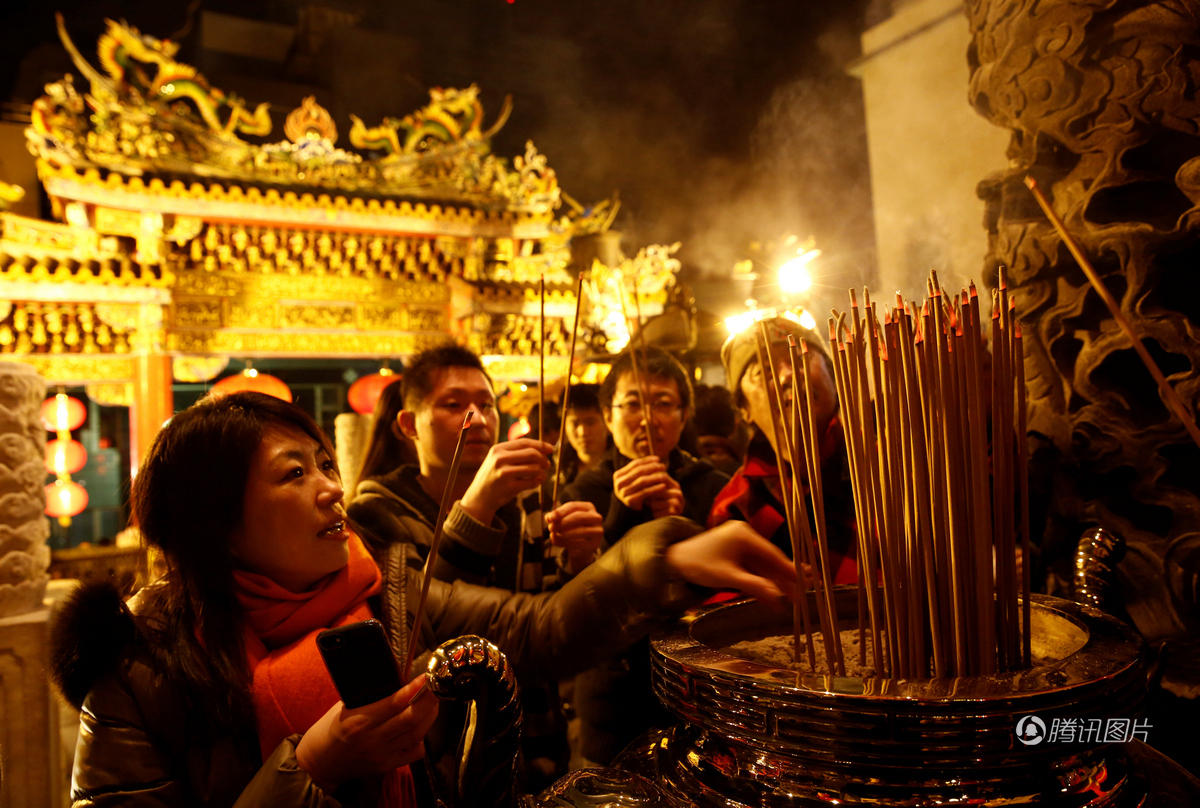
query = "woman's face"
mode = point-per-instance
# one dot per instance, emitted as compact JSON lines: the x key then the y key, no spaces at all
{"x":293,"y":527}
{"x":586,"y":433}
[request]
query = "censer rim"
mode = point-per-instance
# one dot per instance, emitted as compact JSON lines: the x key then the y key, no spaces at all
{"x":1113,"y":653}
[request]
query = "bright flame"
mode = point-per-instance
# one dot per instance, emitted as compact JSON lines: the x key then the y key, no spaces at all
{"x":740,"y":322}
{"x":794,"y":277}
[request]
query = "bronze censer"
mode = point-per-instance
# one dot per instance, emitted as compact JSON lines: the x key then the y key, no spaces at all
{"x":750,"y":734}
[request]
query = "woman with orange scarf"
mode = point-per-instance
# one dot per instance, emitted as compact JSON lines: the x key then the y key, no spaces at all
{"x":207,"y":687}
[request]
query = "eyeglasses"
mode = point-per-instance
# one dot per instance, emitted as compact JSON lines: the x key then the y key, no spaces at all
{"x":633,"y":407}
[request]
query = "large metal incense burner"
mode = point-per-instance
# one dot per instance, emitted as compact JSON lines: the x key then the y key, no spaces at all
{"x":755,"y":735}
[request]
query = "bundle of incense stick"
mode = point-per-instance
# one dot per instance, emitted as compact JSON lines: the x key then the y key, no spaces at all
{"x":940,"y":507}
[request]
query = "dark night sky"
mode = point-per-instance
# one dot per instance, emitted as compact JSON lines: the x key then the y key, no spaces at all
{"x":720,"y":122}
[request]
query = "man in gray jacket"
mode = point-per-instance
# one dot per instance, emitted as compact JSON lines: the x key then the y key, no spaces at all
{"x":482,"y":541}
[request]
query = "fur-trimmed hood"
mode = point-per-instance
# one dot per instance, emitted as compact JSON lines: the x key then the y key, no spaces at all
{"x":89,"y":637}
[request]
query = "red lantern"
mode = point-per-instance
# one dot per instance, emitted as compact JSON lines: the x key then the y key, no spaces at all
{"x":65,"y":499}
{"x":65,"y":456}
{"x":250,"y":379}
{"x":519,"y":429}
{"x":62,"y":413}
{"x":365,"y":392}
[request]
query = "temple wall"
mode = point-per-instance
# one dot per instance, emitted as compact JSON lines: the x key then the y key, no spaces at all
{"x":928,"y":148}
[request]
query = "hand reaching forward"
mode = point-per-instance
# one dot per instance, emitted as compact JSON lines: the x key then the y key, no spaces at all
{"x":348,"y":743}
{"x":579,"y":529}
{"x":509,"y":468}
{"x":734,"y":556}
{"x":643,"y":479}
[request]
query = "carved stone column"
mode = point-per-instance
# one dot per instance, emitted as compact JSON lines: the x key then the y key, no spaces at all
{"x":29,"y":740}
{"x":24,"y":555}
{"x":1100,"y":97}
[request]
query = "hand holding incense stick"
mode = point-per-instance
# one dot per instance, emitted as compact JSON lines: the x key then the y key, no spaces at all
{"x":431,"y":559}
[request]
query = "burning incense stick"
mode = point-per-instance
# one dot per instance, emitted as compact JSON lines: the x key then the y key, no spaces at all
{"x":1170,"y":397}
{"x":1023,"y":483}
{"x":562,"y":423}
{"x":643,"y":394}
{"x":431,"y":559}
{"x":541,"y":391}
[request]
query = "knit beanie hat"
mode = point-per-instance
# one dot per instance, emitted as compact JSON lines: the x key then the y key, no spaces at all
{"x":740,"y":350}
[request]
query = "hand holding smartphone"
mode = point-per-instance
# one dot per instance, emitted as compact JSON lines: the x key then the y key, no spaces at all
{"x":360,"y":662}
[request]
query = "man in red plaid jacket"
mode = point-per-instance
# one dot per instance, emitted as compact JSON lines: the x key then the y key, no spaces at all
{"x":753,"y":495}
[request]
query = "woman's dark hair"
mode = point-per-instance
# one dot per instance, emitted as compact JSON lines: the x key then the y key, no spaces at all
{"x":187,"y":499}
{"x":581,"y":397}
{"x":651,"y":362}
{"x":387,"y":449}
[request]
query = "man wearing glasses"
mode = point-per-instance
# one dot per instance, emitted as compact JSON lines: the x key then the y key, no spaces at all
{"x":645,"y":476}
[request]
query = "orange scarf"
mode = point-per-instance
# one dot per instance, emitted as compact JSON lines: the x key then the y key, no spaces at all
{"x":292,"y":688}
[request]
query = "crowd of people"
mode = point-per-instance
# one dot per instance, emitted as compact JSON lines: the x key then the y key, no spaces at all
{"x":206,"y":688}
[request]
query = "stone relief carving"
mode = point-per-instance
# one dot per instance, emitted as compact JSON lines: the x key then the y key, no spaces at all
{"x":1101,"y":99}
{"x":24,"y":555}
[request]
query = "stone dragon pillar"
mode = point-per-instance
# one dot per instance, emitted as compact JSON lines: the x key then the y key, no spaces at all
{"x":24,"y":555}
{"x":33,"y":771}
{"x":1101,"y":99}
